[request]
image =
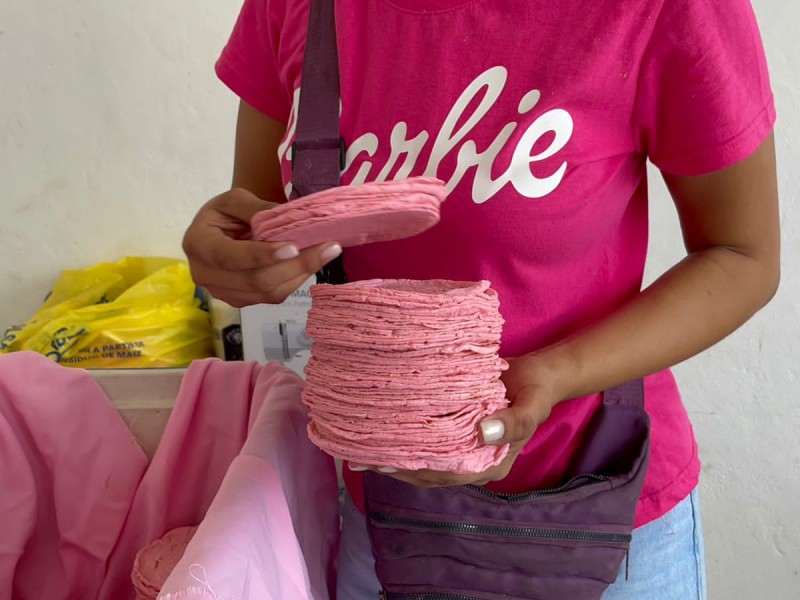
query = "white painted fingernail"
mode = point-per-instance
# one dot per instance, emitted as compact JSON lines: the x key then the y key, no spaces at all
{"x":357,"y":467}
{"x":331,"y":252}
{"x":492,"y":430}
{"x":286,"y":252}
{"x":387,"y":470}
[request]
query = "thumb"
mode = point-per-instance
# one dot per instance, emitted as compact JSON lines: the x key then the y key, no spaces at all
{"x":241,"y":204}
{"x":518,"y":422}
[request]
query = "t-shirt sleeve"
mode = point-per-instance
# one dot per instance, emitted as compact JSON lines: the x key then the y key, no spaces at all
{"x":249,"y":63}
{"x":704,"y":100}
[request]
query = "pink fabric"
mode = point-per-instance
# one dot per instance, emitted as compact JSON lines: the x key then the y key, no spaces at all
{"x":543,"y":146}
{"x":69,"y":468}
{"x":205,"y":432}
{"x":271,"y":532}
{"x":79,"y":500}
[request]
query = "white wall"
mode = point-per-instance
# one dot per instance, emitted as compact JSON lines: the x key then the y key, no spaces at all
{"x":113,"y":130}
{"x":743,"y":394}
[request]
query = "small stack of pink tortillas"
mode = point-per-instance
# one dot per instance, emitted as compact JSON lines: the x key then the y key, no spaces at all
{"x":354,"y":215}
{"x":154,"y":563}
{"x":403,"y":371}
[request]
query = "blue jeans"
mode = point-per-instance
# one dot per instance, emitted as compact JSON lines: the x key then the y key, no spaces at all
{"x":666,"y":558}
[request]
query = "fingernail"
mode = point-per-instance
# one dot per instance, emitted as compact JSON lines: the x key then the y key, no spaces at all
{"x":387,"y":470}
{"x":357,"y":467}
{"x":286,"y":252}
{"x":492,"y":430}
{"x":331,"y":252}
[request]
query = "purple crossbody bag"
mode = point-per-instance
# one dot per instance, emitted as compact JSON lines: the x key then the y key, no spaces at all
{"x":466,"y":542}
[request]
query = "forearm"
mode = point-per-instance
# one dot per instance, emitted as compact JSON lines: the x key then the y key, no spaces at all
{"x":690,"y":308}
{"x":256,"y":167}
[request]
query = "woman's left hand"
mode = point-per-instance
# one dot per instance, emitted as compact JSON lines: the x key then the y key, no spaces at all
{"x":531,"y":390}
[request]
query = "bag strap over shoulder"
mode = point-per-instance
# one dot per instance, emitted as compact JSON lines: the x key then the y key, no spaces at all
{"x":630,"y":393}
{"x":318,"y":151}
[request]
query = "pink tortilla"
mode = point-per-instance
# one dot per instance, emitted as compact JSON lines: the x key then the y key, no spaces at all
{"x":354,"y":215}
{"x":326,"y":373}
{"x":369,"y":362}
{"x":474,"y":460}
{"x":435,"y":293}
{"x":357,"y":230}
{"x":428,"y":415}
{"x":438,"y":395}
{"x":403,"y":371}
{"x":154,"y":563}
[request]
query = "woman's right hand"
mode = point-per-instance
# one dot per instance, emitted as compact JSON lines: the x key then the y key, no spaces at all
{"x":239,"y":270}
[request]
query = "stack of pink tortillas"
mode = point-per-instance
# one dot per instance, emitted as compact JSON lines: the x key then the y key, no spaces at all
{"x":154,"y":563}
{"x":354,"y":215}
{"x":402,"y":372}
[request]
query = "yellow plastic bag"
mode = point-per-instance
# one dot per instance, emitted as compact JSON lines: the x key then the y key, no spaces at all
{"x":135,"y":313}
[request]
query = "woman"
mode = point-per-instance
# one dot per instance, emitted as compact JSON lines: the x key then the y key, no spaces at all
{"x":541,"y":117}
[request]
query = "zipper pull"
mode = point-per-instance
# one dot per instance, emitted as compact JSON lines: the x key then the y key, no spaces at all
{"x":627,"y":562}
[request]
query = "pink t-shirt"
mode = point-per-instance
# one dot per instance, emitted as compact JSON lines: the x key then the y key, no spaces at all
{"x":540,"y":115}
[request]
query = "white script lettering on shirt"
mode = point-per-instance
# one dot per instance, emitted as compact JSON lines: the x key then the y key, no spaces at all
{"x":449,"y":139}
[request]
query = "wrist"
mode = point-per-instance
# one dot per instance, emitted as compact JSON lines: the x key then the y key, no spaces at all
{"x":554,"y":369}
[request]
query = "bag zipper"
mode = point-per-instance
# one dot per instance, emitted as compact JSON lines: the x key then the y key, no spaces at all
{"x":469,"y":528}
{"x":524,"y":496}
{"x":423,"y":596}
{"x":502,"y":530}
{"x":627,"y":562}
